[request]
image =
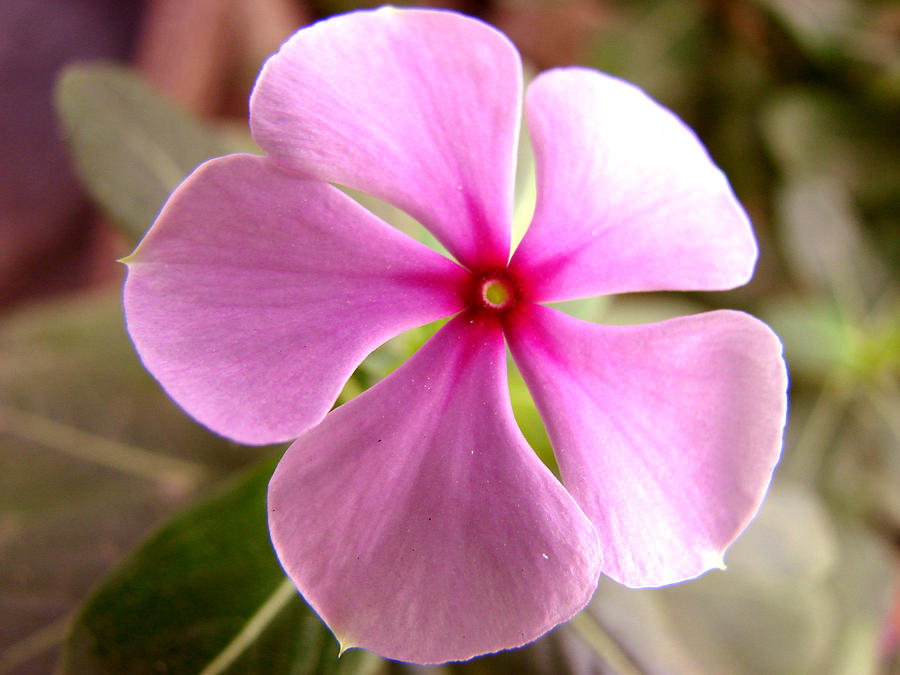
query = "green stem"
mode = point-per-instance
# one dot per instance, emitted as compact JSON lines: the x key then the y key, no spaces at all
{"x":603,"y":644}
{"x":252,"y":629}
{"x":168,"y":471}
{"x":34,"y":644}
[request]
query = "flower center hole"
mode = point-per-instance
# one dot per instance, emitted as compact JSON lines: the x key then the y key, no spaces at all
{"x":496,"y":293}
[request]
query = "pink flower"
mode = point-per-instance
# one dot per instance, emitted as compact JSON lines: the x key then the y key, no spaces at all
{"x":415,"y":519}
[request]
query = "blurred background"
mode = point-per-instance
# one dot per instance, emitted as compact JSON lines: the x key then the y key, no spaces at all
{"x":797,"y":100}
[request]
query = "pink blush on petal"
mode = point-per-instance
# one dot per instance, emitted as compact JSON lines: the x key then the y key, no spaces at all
{"x":417,"y":521}
{"x":414,"y":518}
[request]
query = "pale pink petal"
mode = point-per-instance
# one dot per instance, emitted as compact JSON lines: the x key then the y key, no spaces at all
{"x":628,"y":199}
{"x":419,"y":524}
{"x":417,"y":107}
{"x":256,"y":293}
{"x":666,"y":434}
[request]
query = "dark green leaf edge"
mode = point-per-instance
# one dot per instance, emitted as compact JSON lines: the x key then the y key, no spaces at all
{"x":205,"y":594}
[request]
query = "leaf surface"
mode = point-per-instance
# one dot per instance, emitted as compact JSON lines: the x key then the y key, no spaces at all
{"x":205,"y":594}
{"x":131,"y":145}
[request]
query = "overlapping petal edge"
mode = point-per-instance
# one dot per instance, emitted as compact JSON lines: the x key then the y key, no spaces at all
{"x":414,"y":519}
{"x":419,"y":523}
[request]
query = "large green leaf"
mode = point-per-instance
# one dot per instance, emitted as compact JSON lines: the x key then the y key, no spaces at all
{"x":131,"y":146}
{"x":205,"y":594}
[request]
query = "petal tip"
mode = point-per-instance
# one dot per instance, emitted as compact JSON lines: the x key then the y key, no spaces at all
{"x":712,"y":560}
{"x":344,"y":646}
{"x":130,"y":259}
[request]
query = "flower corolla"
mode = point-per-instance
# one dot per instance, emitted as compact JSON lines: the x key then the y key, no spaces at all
{"x":415,"y":519}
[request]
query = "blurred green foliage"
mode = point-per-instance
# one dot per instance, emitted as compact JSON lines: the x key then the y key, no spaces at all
{"x":797,"y":100}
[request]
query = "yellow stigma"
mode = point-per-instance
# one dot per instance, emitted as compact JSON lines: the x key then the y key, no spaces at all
{"x":496,"y":293}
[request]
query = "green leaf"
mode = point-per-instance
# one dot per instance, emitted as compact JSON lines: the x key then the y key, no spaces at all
{"x":131,"y":146}
{"x":820,"y":209}
{"x":205,"y":595}
{"x":820,"y":27}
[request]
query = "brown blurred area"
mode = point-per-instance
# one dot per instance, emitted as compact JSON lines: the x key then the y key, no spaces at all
{"x":204,"y":54}
{"x":48,"y":238}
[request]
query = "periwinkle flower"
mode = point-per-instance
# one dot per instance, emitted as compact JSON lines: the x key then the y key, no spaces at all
{"x":415,"y":519}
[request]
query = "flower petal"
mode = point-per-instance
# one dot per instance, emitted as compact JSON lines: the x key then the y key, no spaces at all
{"x":666,"y":434}
{"x":628,"y":199}
{"x":256,"y":293}
{"x":419,"y":524}
{"x":417,"y":107}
